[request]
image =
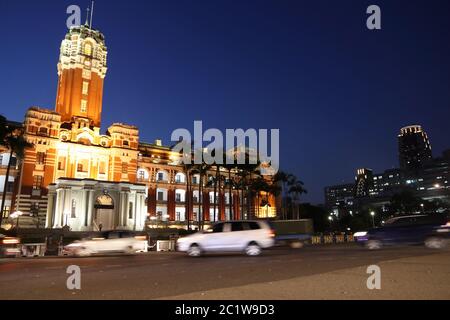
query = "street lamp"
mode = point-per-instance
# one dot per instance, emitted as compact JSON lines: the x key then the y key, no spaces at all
{"x":166,"y":217}
{"x":153,"y":219}
{"x":372,"y":213}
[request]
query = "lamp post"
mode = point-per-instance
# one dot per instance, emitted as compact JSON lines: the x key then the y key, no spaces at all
{"x":153,"y":219}
{"x":166,"y":219}
{"x":372,"y":213}
{"x":330,"y":218}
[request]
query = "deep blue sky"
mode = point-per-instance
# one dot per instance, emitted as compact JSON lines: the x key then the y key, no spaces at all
{"x":338,"y":92}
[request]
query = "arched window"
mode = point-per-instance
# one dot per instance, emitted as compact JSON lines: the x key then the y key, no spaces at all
{"x":162,"y":176}
{"x":180,"y":178}
{"x":88,"y":49}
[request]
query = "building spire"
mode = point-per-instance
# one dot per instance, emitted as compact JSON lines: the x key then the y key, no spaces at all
{"x":87,"y":17}
{"x":92,"y":13}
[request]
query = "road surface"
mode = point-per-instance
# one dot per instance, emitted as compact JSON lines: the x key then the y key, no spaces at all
{"x":314,"y":272}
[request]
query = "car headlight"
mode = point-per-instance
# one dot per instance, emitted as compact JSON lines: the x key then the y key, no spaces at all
{"x":74,"y":245}
{"x":360,"y":234}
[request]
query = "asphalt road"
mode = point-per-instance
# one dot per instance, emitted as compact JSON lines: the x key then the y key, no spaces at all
{"x":315,"y":272}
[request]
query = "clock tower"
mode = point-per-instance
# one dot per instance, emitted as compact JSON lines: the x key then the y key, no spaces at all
{"x":81,"y":72}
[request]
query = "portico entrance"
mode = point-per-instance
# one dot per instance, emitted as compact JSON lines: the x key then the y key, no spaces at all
{"x":104,"y":213}
{"x":87,"y":204}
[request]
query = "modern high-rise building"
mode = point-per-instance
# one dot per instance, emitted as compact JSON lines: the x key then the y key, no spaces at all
{"x":77,"y":176}
{"x":414,"y":148}
{"x":427,"y":177}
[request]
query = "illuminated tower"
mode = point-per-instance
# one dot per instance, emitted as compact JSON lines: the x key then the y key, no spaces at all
{"x":414,"y":148}
{"x":81,"y":72}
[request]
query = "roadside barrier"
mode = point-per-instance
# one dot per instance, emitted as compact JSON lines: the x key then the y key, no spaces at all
{"x":329,"y":239}
{"x":165,"y":245}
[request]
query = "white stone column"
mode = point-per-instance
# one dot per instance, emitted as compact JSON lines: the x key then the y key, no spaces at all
{"x":137,"y":211}
{"x":57,"y":211}
{"x":90,"y":209}
{"x":50,"y":210}
{"x":126,"y":205}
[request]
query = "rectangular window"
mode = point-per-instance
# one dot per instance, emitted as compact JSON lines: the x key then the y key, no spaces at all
{"x":37,"y":182}
{"x":125,"y":143}
{"x":83,"y":107}
{"x":34,"y":209}
{"x":160,"y":176}
{"x":40,"y":157}
{"x":160,"y":196}
{"x":177,"y":178}
{"x":83,"y":165}
{"x":124,"y":168}
{"x":141,"y":174}
{"x":130,"y":211}
{"x":194,"y":180}
{"x":62,"y":163}
{"x":178,"y":216}
{"x":85,"y":87}
{"x":86,"y":74}
{"x":101,"y":168}
{"x":178,"y":197}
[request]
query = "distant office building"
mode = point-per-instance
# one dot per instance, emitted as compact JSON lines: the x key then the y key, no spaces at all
{"x":414,"y":148}
{"x":339,"y":194}
{"x":433,"y":179}
{"x":387,"y":183}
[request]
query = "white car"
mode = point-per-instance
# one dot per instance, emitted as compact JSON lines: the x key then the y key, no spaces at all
{"x":230,"y":236}
{"x":108,"y":242}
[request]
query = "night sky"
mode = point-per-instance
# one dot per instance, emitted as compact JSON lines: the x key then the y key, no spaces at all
{"x":338,"y":92}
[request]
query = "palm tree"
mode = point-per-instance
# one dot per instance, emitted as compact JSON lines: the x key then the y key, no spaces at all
{"x":216,"y":182}
{"x":201,"y":169}
{"x":296,"y":189}
{"x":286,"y":180}
{"x":16,"y":143}
{"x":257,"y":186}
{"x":246,"y":172}
{"x":187,"y":167}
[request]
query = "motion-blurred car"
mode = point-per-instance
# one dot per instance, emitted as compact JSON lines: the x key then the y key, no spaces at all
{"x":108,"y":242}
{"x":431,"y":230}
{"x":9,"y":246}
{"x":231,"y":236}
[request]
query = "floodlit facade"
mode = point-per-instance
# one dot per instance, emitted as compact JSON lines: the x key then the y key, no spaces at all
{"x":75,"y":176}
